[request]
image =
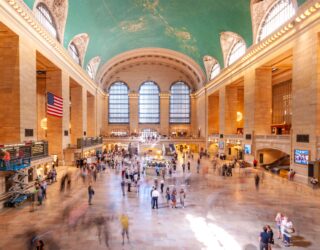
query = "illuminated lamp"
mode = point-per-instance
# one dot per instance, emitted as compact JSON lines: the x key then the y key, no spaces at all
{"x":44,"y":123}
{"x":239,"y":116}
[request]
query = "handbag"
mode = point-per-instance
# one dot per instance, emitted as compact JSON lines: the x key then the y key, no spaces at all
{"x":290,"y":230}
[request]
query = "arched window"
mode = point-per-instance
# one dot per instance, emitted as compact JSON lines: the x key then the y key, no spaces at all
{"x":280,"y":12}
{"x":118,"y":103}
{"x":180,"y":103}
{"x":149,"y":103}
{"x":90,"y":71}
{"x":44,"y":16}
{"x":74,"y":53}
{"x":237,"y":51}
{"x":215,"y":71}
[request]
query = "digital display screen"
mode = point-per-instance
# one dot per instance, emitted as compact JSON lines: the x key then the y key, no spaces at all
{"x":301,"y":156}
{"x":221,"y":145}
{"x":247,"y":149}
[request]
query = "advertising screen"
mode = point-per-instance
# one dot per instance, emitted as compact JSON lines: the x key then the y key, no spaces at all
{"x":301,"y":156}
{"x":247,"y":149}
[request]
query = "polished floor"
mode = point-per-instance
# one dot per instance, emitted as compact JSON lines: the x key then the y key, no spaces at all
{"x":220,"y":213}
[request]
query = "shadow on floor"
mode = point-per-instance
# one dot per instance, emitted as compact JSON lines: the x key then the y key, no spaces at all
{"x":299,"y":241}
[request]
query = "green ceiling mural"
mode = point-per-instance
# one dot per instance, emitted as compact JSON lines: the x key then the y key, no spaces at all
{"x":192,"y":27}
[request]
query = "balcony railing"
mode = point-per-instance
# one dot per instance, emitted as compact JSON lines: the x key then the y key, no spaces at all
{"x":19,"y":156}
{"x":234,"y":136}
{"x":273,"y":137}
{"x":89,"y":142}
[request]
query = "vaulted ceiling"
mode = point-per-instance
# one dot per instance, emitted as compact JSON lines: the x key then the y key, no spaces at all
{"x":191,"y":27}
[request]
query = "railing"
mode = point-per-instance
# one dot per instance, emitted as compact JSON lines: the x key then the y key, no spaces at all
{"x":234,"y":136}
{"x":214,"y":136}
{"x":19,"y":156}
{"x":89,"y":142}
{"x":273,"y":137}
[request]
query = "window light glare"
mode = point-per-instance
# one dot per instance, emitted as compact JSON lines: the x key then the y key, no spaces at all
{"x":238,"y":50}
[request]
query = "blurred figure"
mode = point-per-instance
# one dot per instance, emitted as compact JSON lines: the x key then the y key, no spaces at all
{"x":257,"y":181}
{"x":124,"y":220}
{"x":90,"y":193}
{"x":182,"y":196}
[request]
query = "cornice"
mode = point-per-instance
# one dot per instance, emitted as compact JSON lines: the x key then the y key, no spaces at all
{"x":24,"y":16}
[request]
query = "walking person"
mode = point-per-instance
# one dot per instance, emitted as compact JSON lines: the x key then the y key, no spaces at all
{"x":183,"y":167}
{"x":198,"y":165}
{"x":124,"y":220}
{"x":123,"y":187}
{"x":155,"y":195}
{"x":168,"y":196}
{"x":264,"y":239}
{"x":287,"y":230}
{"x":271,"y":239}
{"x":161,"y":186}
{"x":182,"y":196}
{"x":257,"y":181}
{"x":188,"y":166}
{"x":129,"y":185}
{"x":174,"y":198}
{"x":278,"y":221}
{"x":90,"y":193}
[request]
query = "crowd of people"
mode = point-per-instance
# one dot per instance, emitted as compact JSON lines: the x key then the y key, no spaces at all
{"x":285,"y":230}
{"x":132,"y":170}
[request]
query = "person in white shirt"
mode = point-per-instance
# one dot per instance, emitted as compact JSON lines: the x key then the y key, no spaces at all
{"x":155,"y":195}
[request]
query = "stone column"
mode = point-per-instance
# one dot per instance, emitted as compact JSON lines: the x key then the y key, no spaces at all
{"x":305,"y":97}
{"x":231,"y":101}
{"x":263,"y":101}
{"x":91,"y":115}
{"x":249,"y":101}
{"x":55,"y":124}
{"x":194,"y":125}
{"x":66,"y":109}
{"x":164,"y":113}
{"x":222,"y":101}
{"x":84,"y":113}
{"x":134,"y":112}
{"x":18,"y":88}
{"x":76,"y":131}
{"x":213,"y":114}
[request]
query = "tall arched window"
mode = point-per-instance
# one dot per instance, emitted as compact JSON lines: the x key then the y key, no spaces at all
{"x":215,"y":71}
{"x":74,"y":53}
{"x":149,"y":103}
{"x":279,"y":13}
{"x":180,"y":103}
{"x":44,"y":16}
{"x":237,"y":51}
{"x":118,"y":103}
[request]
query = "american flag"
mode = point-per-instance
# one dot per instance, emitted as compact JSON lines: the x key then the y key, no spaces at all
{"x":54,"y":105}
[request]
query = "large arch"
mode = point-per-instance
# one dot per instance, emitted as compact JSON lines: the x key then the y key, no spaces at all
{"x":180,"y":66}
{"x":59,"y":11}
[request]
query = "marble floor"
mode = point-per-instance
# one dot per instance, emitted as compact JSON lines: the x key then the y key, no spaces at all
{"x":220,"y":213}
